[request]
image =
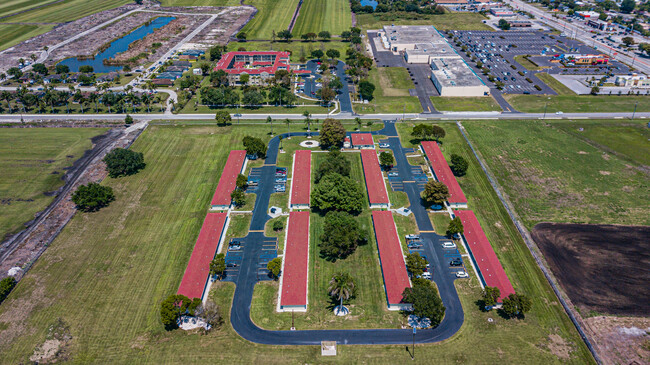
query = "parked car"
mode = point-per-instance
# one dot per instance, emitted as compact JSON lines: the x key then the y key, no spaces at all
{"x":393,"y":174}
{"x":384,"y":145}
{"x":448,"y":245}
{"x":426,"y":275}
{"x":235,"y":247}
{"x":412,"y":237}
{"x":414,"y":245}
{"x":231,"y":264}
{"x":456,"y":262}
{"x":462,"y":274}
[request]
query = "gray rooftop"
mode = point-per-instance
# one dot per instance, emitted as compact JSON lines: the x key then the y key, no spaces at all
{"x":413,"y":34}
{"x":454,"y":72}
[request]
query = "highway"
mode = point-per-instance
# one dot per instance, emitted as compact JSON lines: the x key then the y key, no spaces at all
{"x":582,"y":35}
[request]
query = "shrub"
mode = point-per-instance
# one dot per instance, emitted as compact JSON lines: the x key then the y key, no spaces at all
{"x":274,"y":266}
{"x":6,"y":285}
{"x":123,"y":162}
{"x":92,"y":197}
{"x":278,"y":225}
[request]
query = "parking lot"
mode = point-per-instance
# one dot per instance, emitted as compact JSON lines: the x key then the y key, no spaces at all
{"x":431,"y":246}
{"x":497,"y":51}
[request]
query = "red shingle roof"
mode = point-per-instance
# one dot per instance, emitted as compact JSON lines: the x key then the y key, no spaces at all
{"x":301,"y":178}
{"x":374,"y":179}
{"x":443,"y":172}
{"x":391,"y":256}
{"x":294,"y":274}
{"x":362,"y":139}
{"x":488,"y":264}
{"x":198,"y":268}
{"x":228,"y":179}
{"x":230,"y":66}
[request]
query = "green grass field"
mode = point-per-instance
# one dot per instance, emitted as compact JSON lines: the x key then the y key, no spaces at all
{"x":440,"y":222}
{"x":199,"y":2}
{"x":271,"y":15}
{"x":12,"y":34}
{"x":578,"y":103}
{"x":554,"y":84}
{"x":65,"y":11}
{"x":107,"y":272}
{"x":391,"y":92}
{"x":448,"y":21}
{"x":9,"y":7}
{"x":34,"y":166}
{"x":465,"y":104}
{"x":528,"y":65}
{"x":552,"y":176}
{"x":333,"y":16}
{"x":297,"y":48}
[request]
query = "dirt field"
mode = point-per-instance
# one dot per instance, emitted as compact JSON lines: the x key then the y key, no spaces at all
{"x":602,"y":268}
{"x":620,"y":340}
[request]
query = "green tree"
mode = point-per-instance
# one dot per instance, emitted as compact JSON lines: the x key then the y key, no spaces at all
{"x":627,"y":6}
{"x":238,"y":198}
{"x":92,"y":197}
{"x":516,"y":305}
{"x":426,"y":301}
{"x":332,"y":133}
{"x":175,"y":306}
{"x":503,"y":24}
{"x":6,"y":285}
{"x":278,"y":225}
{"x":270,"y":120}
{"x":628,"y":41}
{"x":244,"y":78}
{"x":254,"y":146}
{"x":252,"y":98}
{"x":333,"y":53}
{"x":491,"y":296}
{"x":341,"y":235}
{"x":223,"y":118}
{"x":342,"y":287}
{"x":285,"y":34}
{"x":86,"y":69}
{"x":218,"y":265}
{"x":326,"y":94}
{"x":366,"y":89}
{"x":455,"y":227}
{"x":241,"y":182}
{"x":274,"y":266}
{"x":426,"y":132}
{"x":211,"y":313}
{"x":241,"y":36}
{"x":317,"y":53}
{"x":335,"y":162}
{"x":324,"y":35}
{"x":435,"y":193}
{"x":459,"y":165}
{"x":62,"y":69}
{"x":128,"y":120}
{"x":386,"y":160}
{"x":123,"y":162}
{"x":346,"y":35}
{"x":336,"y":192}
{"x":15,"y":72}
{"x":40,"y":68}
{"x":415,"y":264}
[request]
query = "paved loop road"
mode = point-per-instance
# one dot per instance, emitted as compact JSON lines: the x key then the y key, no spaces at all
{"x":249,"y":270}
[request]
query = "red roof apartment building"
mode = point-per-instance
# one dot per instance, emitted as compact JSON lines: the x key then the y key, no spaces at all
{"x":442,"y":173}
{"x":197,"y":272}
{"x":295,"y":266}
{"x":362,"y":140}
{"x":391,"y":259}
{"x":221,"y":199}
{"x":482,"y":254}
{"x":260,"y":66}
{"x":375,"y":185}
{"x":301,"y":180}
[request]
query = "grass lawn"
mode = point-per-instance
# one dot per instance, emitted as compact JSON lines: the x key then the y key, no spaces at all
{"x":440,"y":222}
{"x":65,"y":11}
{"x":271,"y":15}
{"x":199,"y":2}
{"x":390,"y":96}
{"x":465,"y":104}
{"x":554,"y":84}
{"x":578,"y":103}
{"x":297,"y":47}
{"x":313,"y":109}
{"x":448,"y":21}
{"x":527,"y":64}
{"x":12,"y":34}
{"x":114,"y":267}
{"x":269,"y":232}
{"x":553,"y":176}
{"x":315,"y":16}
{"x":629,"y":140}
{"x":238,"y":226}
{"x":13,"y":6}
{"x":30,"y":172}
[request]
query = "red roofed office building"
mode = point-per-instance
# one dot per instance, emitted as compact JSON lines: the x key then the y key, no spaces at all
{"x":375,"y":185}
{"x":301,"y":180}
{"x":391,"y":258}
{"x":442,"y":173}
{"x":260,"y":66}
{"x":482,"y":254}
{"x":227,"y":183}
{"x":197,"y":272}
{"x":362,"y":141}
{"x":293,"y":281}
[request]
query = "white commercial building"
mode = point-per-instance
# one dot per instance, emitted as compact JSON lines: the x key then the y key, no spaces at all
{"x":452,"y":77}
{"x":634,"y":81}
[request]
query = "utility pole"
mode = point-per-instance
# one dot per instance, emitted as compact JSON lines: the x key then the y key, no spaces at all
{"x":545,"y":106}
{"x":634,"y":112}
{"x":413,"y":347}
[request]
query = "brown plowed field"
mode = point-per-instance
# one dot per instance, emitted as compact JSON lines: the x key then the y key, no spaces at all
{"x":602,"y":268}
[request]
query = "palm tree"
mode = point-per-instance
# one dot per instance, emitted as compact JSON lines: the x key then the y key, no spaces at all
{"x":288,"y":122}
{"x":342,"y":287}
{"x":270,"y":120}
{"x":93,"y":97}
{"x":6,"y":95}
{"x":358,"y":121}
{"x":146,"y":99}
{"x":307,"y":119}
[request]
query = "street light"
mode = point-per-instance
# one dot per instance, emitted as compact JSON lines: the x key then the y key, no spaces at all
{"x":634,"y":112}
{"x":545,"y":106}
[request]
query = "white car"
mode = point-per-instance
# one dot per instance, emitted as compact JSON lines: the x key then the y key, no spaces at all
{"x":426,"y":275}
{"x":448,"y":245}
{"x":462,"y":274}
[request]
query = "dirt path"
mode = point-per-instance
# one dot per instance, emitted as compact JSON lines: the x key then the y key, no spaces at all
{"x":24,"y":248}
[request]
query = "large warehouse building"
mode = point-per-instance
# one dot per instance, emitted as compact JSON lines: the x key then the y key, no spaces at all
{"x":422,"y":44}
